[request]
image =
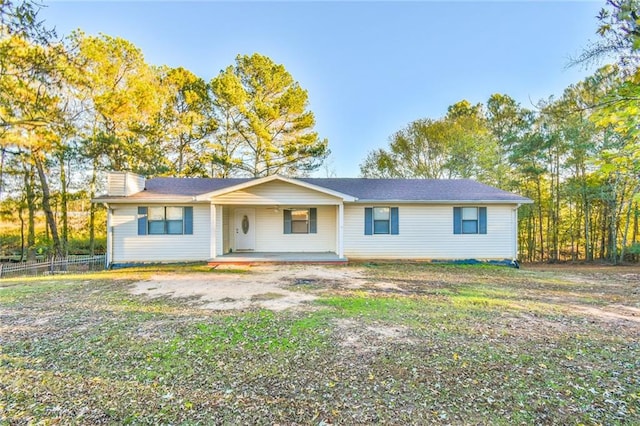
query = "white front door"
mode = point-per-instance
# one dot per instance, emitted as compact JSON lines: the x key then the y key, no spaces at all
{"x":245,"y":229}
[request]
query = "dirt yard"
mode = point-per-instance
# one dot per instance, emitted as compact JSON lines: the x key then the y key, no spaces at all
{"x":280,"y":287}
{"x":370,"y":343}
{"x":275,"y":287}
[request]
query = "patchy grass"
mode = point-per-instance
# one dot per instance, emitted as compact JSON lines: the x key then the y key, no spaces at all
{"x":416,"y":344}
{"x":266,"y":296}
{"x":181,"y":268}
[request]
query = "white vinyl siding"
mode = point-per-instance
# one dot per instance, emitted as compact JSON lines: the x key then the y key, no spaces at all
{"x":117,"y":184}
{"x":276,"y":193}
{"x":427,"y":233}
{"x":124,"y":183}
{"x":270,"y":236}
{"x":128,"y":246}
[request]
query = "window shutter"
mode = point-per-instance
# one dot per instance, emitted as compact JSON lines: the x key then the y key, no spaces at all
{"x":313,"y":220}
{"x":395,"y":221}
{"x":287,"y":221}
{"x":142,"y":221}
{"x":457,"y":220}
{"x":188,"y":220}
{"x":482,"y":220}
{"x":368,"y":221}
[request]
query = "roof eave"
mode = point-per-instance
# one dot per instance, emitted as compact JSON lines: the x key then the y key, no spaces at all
{"x":378,"y":201}
{"x":147,"y":200}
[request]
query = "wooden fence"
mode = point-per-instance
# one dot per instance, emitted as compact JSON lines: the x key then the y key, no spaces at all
{"x":71,"y":264}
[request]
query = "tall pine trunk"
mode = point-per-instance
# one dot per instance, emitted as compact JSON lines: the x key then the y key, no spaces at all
{"x":540,"y":224}
{"x":92,"y":210}
{"x":22,"y":239}
{"x":588,"y":253}
{"x":634,"y":238}
{"x":46,"y":206}
{"x":30,"y":198}
{"x":64,"y":205}
{"x":625,"y":234}
{"x":556,"y":208}
{"x":629,"y":210}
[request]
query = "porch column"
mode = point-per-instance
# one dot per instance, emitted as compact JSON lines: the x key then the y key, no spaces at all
{"x":214,"y":229}
{"x":340,"y":231}
{"x":220,"y":225}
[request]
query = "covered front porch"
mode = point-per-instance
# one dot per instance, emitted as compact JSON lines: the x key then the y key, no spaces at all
{"x":299,"y":233}
{"x":278,"y":257}
{"x":276,"y":219}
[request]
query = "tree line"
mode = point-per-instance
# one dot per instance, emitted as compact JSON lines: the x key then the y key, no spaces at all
{"x":82,"y":105}
{"x":576,"y":156}
{"x":72,"y":108}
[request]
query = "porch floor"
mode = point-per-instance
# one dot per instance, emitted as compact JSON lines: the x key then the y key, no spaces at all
{"x":279,"y":257}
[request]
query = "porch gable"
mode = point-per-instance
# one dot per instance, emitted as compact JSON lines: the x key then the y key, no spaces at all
{"x":276,"y":193}
{"x":276,"y":190}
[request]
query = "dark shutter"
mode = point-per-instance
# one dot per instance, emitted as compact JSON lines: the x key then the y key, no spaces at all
{"x":368,"y":221}
{"x":188,"y":220}
{"x":457,"y":220}
{"x":482,"y":220}
{"x":395,"y":221}
{"x":287,"y":221}
{"x":313,"y":220}
{"x":142,"y":221}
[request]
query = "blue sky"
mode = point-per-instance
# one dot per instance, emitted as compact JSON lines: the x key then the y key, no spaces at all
{"x":370,"y":67}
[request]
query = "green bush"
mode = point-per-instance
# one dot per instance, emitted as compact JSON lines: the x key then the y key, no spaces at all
{"x":81,"y":245}
{"x":634,"y":248}
{"x":10,"y":245}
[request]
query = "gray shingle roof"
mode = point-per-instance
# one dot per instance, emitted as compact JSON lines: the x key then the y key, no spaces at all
{"x":188,"y":186}
{"x":417,"y":189}
{"x":401,"y":190}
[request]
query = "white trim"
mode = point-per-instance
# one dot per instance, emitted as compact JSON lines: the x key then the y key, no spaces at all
{"x":340,"y":231}
{"x":266,"y":179}
{"x":219,"y":225}
{"x":109,"y":254}
{"x":514,"y":218}
{"x":444,"y":202}
{"x":213,"y":230}
{"x":181,"y":199}
{"x":149,"y":199}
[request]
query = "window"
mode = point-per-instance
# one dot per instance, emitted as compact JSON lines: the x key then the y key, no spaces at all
{"x":300,"y":221}
{"x":469,"y":220}
{"x":381,"y":220}
{"x":164,"y":220}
